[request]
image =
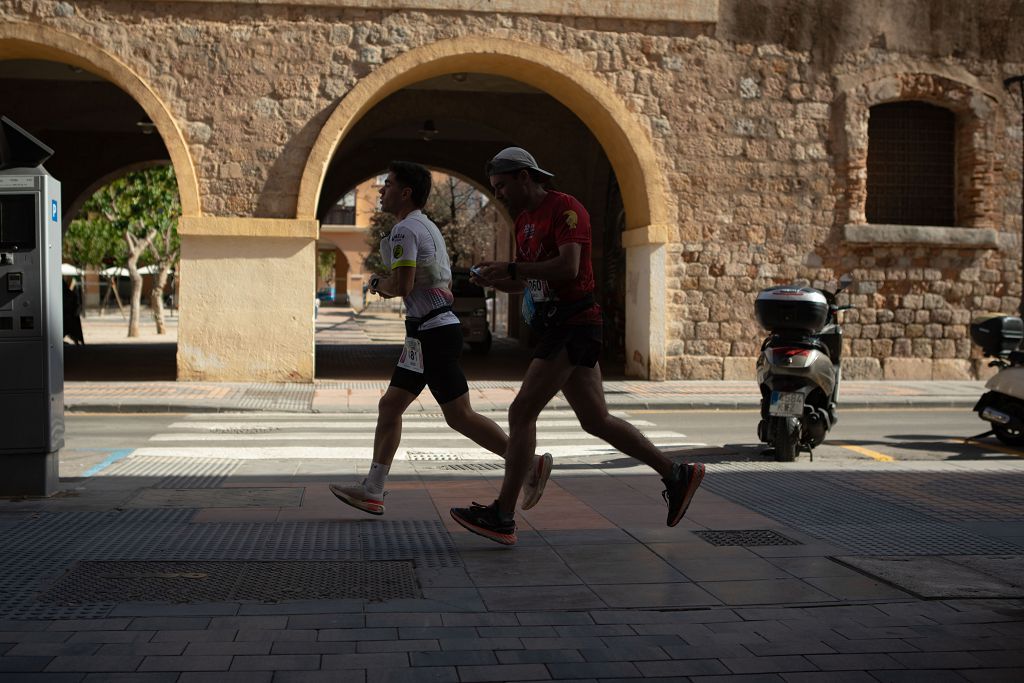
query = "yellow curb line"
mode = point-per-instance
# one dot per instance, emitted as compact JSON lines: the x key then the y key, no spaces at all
{"x":874,"y":455}
{"x":989,"y":446}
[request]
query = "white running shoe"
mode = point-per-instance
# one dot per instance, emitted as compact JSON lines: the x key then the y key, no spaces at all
{"x":357,"y":496}
{"x":533,"y":488}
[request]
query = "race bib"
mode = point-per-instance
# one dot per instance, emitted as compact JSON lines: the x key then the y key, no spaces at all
{"x":412,"y":355}
{"x":538,"y":290}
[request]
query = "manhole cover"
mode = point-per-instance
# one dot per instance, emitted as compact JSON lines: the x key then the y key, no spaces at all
{"x":746,"y":537}
{"x":189,"y":582}
{"x":473,"y":466}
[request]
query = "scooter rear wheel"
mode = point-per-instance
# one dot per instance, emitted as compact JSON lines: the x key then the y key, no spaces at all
{"x":787,"y":439}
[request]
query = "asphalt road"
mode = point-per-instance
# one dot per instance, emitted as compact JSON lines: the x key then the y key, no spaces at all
{"x":94,"y":441}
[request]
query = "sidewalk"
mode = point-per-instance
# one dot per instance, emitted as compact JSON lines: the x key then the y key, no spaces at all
{"x":337,"y":396}
{"x":230,"y":566}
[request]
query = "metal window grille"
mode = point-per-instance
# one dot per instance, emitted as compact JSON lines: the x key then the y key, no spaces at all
{"x":911,"y":164}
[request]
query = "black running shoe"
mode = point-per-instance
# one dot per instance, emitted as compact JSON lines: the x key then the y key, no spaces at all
{"x":680,"y":487}
{"x":485,"y":521}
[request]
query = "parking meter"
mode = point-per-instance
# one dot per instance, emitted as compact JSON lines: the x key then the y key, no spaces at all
{"x":31,"y":325}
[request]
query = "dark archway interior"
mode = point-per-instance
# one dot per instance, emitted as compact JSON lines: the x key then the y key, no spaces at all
{"x":91,"y":124}
{"x":474,"y":116}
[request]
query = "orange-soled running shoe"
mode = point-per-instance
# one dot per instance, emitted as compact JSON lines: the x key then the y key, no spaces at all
{"x":533,"y":487}
{"x":680,"y":487}
{"x":485,"y":520}
{"x":357,"y":496}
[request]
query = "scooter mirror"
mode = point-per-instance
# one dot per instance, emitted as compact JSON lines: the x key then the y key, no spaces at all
{"x":845,"y":281}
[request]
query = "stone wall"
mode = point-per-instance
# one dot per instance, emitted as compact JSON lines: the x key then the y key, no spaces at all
{"x":757,"y":118}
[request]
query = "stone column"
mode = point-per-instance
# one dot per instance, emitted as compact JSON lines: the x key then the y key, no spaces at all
{"x":247,"y":299}
{"x":645,"y":302}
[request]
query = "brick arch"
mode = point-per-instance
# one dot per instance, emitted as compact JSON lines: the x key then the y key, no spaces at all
{"x":978,"y":120}
{"x":31,"y":41}
{"x":600,"y":108}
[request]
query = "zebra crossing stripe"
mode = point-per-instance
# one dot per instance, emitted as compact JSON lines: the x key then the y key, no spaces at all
{"x":368,"y":436}
{"x":364,"y":453}
{"x":333,"y":423}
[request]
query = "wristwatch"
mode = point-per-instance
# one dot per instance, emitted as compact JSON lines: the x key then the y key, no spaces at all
{"x":511,"y":270}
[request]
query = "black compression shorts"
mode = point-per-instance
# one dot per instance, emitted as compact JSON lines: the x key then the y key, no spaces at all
{"x":442,"y":347}
{"x":583,"y":343}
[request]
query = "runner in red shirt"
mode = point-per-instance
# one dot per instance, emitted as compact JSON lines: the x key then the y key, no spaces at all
{"x":554,"y":272}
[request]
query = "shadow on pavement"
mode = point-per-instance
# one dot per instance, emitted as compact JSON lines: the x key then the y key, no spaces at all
{"x":151,"y":362}
{"x":120,"y":363}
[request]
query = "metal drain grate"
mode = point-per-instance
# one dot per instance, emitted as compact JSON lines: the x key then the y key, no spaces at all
{"x":190,"y":582}
{"x":474,"y":466}
{"x":431,"y":456}
{"x":746,"y":537}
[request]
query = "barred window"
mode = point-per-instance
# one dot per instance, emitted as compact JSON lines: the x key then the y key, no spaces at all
{"x":911,"y":165}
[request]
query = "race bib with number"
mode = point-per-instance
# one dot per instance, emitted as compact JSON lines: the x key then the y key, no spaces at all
{"x":538,"y":290}
{"x":412,"y":355}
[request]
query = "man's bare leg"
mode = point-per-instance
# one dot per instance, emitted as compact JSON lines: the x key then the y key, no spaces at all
{"x":544,"y":378}
{"x":584,"y":391}
{"x":369,"y":496}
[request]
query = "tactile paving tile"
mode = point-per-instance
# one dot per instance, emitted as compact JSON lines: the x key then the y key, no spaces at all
{"x":174,"y":473}
{"x":40,"y":549}
{"x":872,"y":512}
{"x":299,"y":397}
{"x":232,"y":581}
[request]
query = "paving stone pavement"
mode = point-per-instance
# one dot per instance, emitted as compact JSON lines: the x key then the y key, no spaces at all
{"x":885,"y":572}
{"x":127,"y":575}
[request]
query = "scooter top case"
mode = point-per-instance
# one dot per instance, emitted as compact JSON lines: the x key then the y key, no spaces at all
{"x":789,"y":308}
{"x":1008,"y":381}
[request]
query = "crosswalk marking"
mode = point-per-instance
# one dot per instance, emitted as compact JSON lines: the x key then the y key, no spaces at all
{"x":363,"y":453}
{"x":255,"y":437}
{"x":348,"y":436}
{"x":334,"y":423}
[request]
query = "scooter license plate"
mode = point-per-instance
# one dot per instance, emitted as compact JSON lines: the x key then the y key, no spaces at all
{"x":786,"y":404}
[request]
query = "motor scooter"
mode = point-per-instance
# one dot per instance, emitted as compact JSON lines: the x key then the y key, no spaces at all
{"x":1002,"y":406}
{"x":798,"y":368}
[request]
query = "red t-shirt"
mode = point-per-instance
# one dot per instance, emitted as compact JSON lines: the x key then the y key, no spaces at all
{"x":560,"y":219}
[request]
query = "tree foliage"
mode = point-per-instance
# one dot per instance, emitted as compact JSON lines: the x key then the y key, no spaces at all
{"x":131,"y":222}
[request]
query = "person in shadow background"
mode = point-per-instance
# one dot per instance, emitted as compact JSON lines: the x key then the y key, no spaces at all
{"x":72,"y":297}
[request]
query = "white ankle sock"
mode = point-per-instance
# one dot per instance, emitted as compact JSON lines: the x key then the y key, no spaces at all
{"x":374,"y":482}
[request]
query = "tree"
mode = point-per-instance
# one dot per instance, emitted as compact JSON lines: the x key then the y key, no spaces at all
{"x":465,"y":218}
{"x":142,"y":210}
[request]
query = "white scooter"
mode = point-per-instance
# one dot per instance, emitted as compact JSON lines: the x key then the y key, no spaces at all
{"x":1002,"y":405}
{"x":798,"y":369}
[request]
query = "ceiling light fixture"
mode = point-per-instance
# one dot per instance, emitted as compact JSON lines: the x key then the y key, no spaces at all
{"x":145,"y":125}
{"x":428,"y":132}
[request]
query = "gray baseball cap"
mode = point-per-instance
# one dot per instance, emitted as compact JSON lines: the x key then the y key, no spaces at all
{"x":512,"y":159}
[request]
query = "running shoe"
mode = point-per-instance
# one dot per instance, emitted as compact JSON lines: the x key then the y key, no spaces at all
{"x":533,"y":489}
{"x":680,"y":487}
{"x":485,"y":521}
{"x":357,"y":496}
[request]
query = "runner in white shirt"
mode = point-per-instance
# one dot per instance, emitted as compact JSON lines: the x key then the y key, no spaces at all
{"x":420,"y":272}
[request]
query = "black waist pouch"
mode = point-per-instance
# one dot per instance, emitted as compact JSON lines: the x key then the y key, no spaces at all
{"x":412,"y":325}
{"x":551,"y":314}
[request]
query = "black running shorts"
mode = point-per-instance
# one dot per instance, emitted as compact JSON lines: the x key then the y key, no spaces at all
{"x":583,"y":343}
{"x":442,"y":347}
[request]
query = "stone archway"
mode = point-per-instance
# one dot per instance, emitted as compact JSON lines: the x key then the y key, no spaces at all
{"x":31,"y":41}
{"x":618,"y":131}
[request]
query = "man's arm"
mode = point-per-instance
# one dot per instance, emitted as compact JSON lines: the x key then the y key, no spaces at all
{"x":564,"y":266}
{"x":399,"y":284}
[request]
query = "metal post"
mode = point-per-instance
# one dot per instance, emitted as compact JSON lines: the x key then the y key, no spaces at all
{"x":1019,"y":80}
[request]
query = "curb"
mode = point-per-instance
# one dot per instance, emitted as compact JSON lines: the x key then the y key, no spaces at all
{"x":697,"y":404}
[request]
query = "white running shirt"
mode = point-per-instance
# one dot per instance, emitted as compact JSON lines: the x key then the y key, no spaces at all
{"x":416,"y":241}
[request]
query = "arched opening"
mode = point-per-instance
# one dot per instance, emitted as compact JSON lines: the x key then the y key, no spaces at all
{"x":103,"y":122}
{"x":360,"y":334}
{"x":486,"y":93}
